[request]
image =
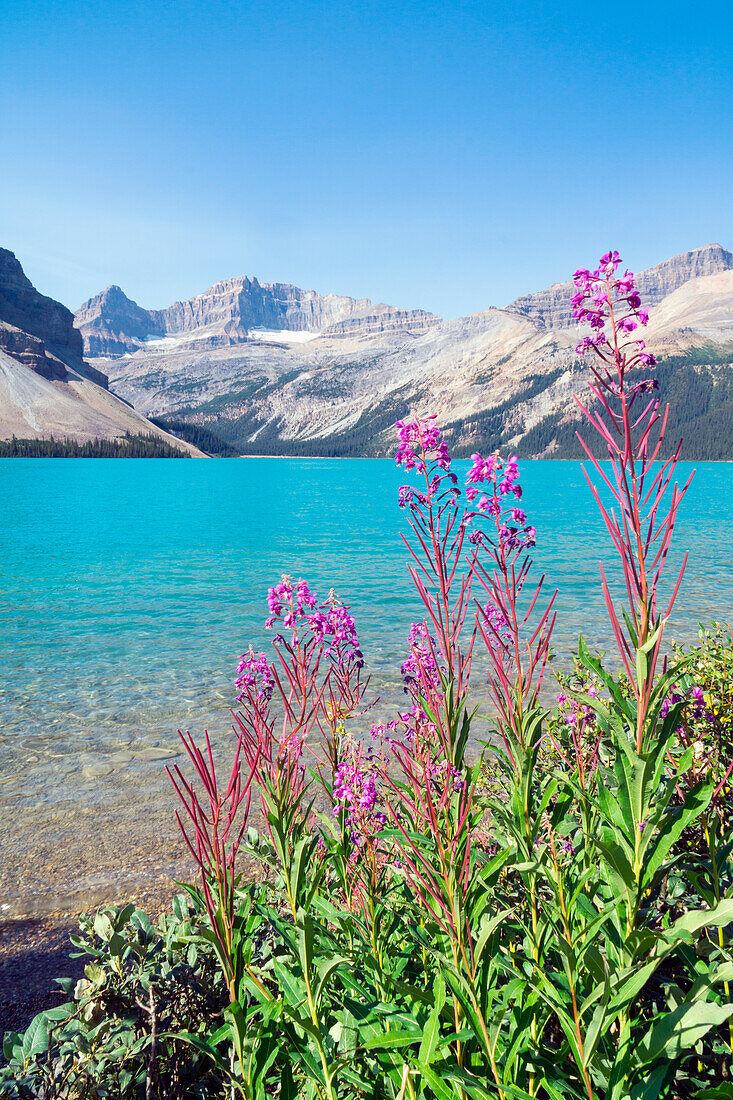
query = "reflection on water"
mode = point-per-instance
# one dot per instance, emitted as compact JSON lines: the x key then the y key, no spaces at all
{"x":128,"y":590}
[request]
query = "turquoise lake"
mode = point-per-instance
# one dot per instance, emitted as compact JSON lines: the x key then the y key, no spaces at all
{"x":128,"y":589}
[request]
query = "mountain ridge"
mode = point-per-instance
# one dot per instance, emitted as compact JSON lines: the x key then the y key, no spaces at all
{"x":231,"y":311}
{"x":552,"y":307}
{"x":342,"y":390}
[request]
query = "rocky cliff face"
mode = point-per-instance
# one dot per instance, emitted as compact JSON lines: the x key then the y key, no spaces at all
{"x":32,"y":352}
{"x":552,"y":307}
{"x":232,"y":312}
{"x":37,"y":330}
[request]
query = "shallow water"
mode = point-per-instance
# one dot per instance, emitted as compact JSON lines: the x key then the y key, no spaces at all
{"x":128,"y":590}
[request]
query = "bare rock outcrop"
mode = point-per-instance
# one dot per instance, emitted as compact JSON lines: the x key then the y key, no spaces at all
{"x":552,"y":307}
{"x":112,"y":324}
{"x":32,"y":352}
{"x":46,"y":387}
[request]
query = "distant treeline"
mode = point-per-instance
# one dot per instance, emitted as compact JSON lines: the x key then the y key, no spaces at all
{"x":130,"y":446}
{"x":700,"y":412}
{"x":195,"y":434}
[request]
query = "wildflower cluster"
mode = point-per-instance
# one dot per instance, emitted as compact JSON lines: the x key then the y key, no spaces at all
{"x":254,"y":677}
{"x":419,"y":439}
{"x":602,"y":298}
{"x":423,"y":448}
{"x":498,"y":623}
{"x":290,"y":602}
{"x":573,"y":712}
{"x":421,"y":667}
{"x":501,"y":477}
{"x":356,"y":792}
{"x":333,"y":626}
{"x":694,"y":695}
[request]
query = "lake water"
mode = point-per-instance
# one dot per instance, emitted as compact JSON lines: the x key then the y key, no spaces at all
{"x":129,"y":588}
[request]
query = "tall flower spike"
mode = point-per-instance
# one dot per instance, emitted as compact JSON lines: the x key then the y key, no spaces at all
{"x":633,"y":440}
{"x":438,"y":569}
{"x":518,"y":648}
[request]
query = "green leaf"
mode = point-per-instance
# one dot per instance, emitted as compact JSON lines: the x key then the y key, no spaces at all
{"x":35,"y":1040}
{"x":142,"y":921}
{"x":696,"y":801}
{"x":12,"y":1045}
{"x":650,"y":1087}
{"x":201,"y":1044}
{"x":103,"y":927}
{"x":387,"y":1040}
{"x":441,"y":1090}
{"x":325,"y":970}
{"x":59,"y":1012}
{"x":180,"y":907}
{"x":429,"y":1043}
{"x":680,"y":1029}
{"x":698,"y":919}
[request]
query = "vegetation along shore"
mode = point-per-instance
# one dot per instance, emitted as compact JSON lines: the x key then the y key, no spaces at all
{"x":552,"y":920}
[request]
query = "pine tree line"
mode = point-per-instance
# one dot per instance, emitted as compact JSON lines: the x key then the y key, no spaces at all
{"x":129,"y":446}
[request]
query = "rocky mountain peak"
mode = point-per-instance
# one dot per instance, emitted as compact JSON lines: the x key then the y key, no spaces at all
{"x":552,"y":307}
{"x":37,"y":330}
{"x":113,"y":324}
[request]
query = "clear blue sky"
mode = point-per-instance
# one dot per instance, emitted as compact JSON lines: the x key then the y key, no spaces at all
{"x":448,"y":156}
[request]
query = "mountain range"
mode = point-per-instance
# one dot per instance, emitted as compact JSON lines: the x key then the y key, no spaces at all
{"x":271,"y":368}
{"x":250,"y":367}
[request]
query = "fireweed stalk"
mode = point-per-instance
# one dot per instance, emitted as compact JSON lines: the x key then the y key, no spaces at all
{"x":217,"y":836}
{"x":632,"y":430}
{"x":518,"y":648}
{"x":318,"y":681}
{"x":636,"y":820}
{"x":437,"y":553}
{"x":433,"y":805}
{"x":517,"y":656}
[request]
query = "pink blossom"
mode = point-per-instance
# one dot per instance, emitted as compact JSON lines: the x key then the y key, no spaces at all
{"x":254,"y":677}
{"x":598,"y":294}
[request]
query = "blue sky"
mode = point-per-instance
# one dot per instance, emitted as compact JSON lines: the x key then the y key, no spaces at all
{"x":447,"y":156}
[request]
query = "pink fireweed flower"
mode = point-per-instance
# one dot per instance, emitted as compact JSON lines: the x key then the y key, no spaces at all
{"x":332,"y":625}
{"x":355,"y":791}
{"x":499,"y":624}
{"x":290,"y":603}
{"x":502,"y":477}
{"x":421,"y":666}
{"x":420,"y":443}
{"x":254,"y":677}
{"x":425,"y":435}
{"x":598,"y":293}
